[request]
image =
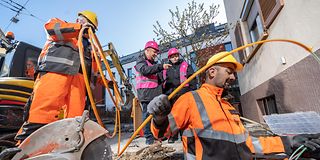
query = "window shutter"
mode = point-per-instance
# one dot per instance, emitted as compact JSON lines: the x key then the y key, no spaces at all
{"x":239,"y":41}
{"x":270,"y":10}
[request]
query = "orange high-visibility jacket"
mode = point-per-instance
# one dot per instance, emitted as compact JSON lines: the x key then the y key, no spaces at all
{"x":212,"y":128}
{"x":60,"y":54}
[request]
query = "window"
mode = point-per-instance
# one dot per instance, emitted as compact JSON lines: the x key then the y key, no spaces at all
{"x":268,"y":105}
{"x":114,"y":76}
{"x":228,"y":46}
{"x":270,"y":9}
{"x":266,"y":9}
{"x":193,"y":59}
{"x":130,"y":77}
{"x":257,"y":16}
{"x":7,"y":60}
{"x":256,"y":29}
{"x":239,"y":41}
{"x":31,"y":60}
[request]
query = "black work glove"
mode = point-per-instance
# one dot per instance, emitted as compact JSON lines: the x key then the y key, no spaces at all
{"x":311,"y":141}
{"x":159,"y":107}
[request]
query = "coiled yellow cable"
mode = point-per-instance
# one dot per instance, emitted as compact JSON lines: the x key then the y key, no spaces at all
{"x":117,"y":99}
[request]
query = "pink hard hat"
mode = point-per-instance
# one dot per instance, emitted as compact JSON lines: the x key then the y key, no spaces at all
{"x":172,"y":51}
{"x":152,"y":44}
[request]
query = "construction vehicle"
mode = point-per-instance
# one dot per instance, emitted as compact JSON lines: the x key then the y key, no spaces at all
{"x":129,"y":95}
{"x":16,"y":85}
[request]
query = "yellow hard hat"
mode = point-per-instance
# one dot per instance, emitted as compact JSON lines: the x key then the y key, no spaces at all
{"x":91,"y":16}
{"x":227,"y":59}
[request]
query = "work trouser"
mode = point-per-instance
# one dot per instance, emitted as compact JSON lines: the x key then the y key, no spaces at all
{"x":146,"y":130}
{"x":55,"y":96}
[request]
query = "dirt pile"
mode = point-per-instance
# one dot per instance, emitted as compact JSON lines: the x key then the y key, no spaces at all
{"x":157,"y":151}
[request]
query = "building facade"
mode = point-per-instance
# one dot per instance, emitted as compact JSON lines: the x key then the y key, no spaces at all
{"x":277,"y":77}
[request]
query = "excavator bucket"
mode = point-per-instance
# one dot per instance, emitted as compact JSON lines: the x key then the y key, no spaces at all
{"x":69,"y":139}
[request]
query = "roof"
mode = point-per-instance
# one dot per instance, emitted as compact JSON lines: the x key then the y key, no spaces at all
{"x":128,"y":58}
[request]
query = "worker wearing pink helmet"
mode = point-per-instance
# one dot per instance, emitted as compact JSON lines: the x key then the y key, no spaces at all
{"x":148,"y":81}
{"x":174,"y":76}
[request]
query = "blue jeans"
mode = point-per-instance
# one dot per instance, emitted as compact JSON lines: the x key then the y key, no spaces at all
{"x":146,"y":130}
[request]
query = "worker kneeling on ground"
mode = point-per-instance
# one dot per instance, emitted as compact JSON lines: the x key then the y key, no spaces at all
{"x":59,"y":90}
{"x":211,"y":126}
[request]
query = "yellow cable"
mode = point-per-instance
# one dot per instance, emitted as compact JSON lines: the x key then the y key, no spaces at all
{"x":118,"y":99}
{"x":85,"y":77}
{"x":115,"y":127}
{"x":100,"y":69}
{"x":106,"y":63}
{"x":119,"y":134}
{"x":148,"y":119}
{"x":105,"y":84}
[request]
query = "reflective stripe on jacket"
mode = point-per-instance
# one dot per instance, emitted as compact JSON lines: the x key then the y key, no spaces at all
{"x":212,"y":128}
{"x":183,"y":73}
{"x":150,"y":81}
{"x":147,"y":94}
{"x":60,"y":54}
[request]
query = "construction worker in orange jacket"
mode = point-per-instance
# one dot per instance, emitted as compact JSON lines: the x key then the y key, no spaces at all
{"x":59,"y":90}
{"x":212,"y":127}
{"x":30,"y":69}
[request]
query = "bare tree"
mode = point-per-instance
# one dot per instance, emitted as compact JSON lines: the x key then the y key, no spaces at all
{"x":193,"y":26}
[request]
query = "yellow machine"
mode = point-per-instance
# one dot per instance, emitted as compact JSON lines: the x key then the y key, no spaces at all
{"x":16,"y":85}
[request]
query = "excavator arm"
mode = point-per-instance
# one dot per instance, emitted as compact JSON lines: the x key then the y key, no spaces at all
{"x":116,"y":63}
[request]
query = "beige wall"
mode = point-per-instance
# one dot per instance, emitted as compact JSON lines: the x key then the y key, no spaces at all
{"x":296,"y":89}
{"x":298,"y":20}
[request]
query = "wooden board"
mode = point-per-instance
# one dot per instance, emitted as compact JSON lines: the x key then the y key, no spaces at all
{"x":136,"y":114}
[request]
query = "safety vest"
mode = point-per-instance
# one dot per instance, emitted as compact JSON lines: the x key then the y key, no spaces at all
{"x":183,"y":73}
{"x":150,"y":81}
{"x":60,"y":53}
{"x":214,"y":129}
{"x":207,"y":132}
